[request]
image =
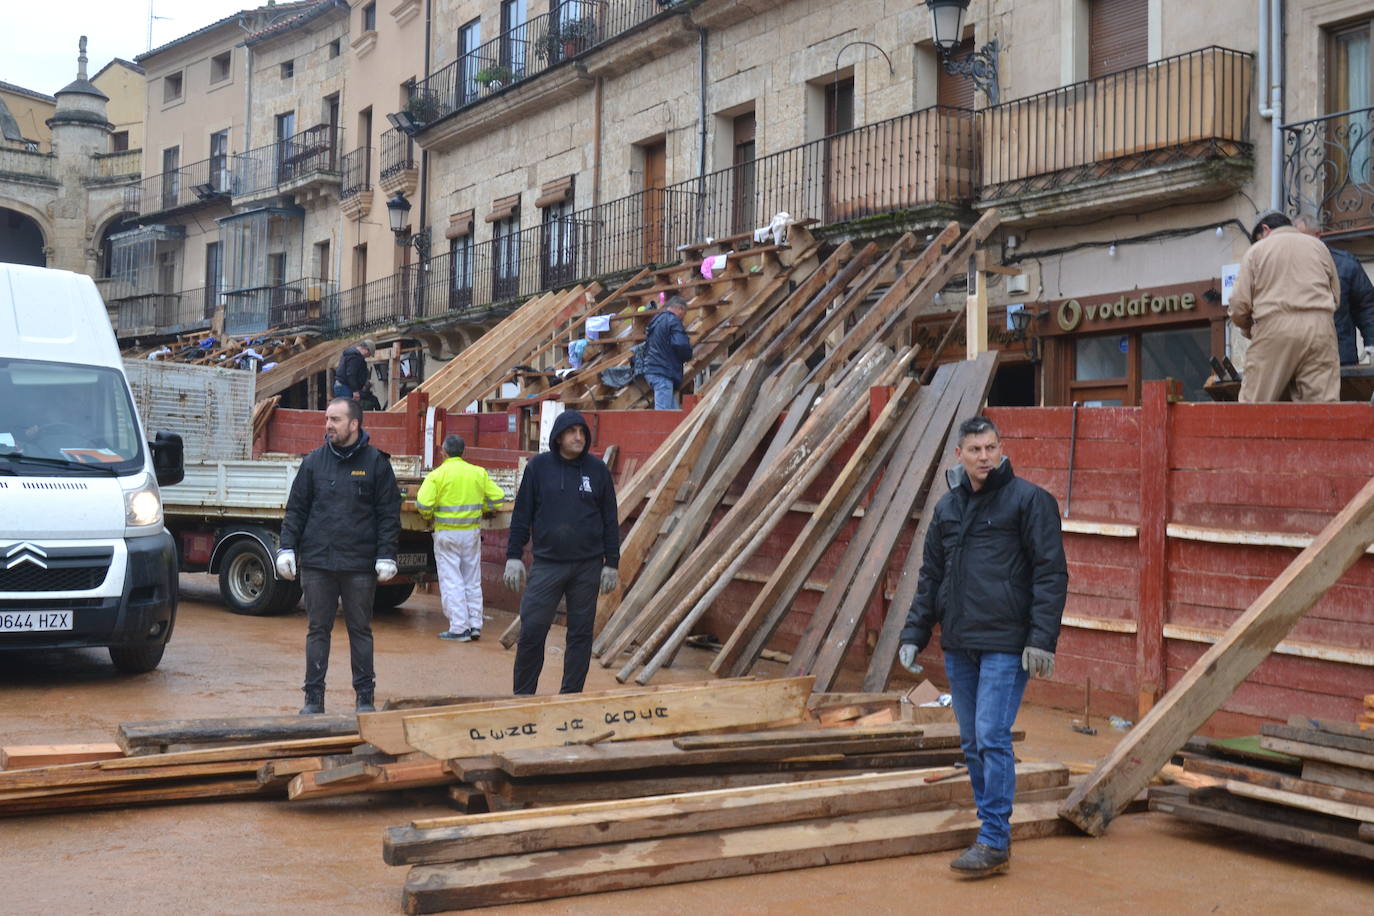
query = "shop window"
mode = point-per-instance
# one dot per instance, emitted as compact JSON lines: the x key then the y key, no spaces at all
{"x":1180,"y":354}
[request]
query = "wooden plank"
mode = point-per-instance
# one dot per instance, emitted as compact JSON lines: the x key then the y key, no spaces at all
{"x":1364,"y":813}
{"x":810,"y":733}
{"x":61,"y":777}
{"x":123,"y":796}
{"x":644,"y":863}
{"x":468,"y":733}
{"x":279,"y":772}
{"x":389,"y":777}
{"x":1334,"y":774}
{"x":676,"y":815}
{"x":1222,"y":668}
{"x":294,"y":748}
{"x":1334,"y":726}
{"x":1359,"y":744}
{"x":1320,"y":752}
{"x":349,"y":773}
{"x":1179,"y":805}
{"x":134,"y":736}
{"x":19,"y":756}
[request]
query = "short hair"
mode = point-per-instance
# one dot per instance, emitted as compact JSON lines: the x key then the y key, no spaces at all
{"x":676,"y":302}
{"x":1272,"y":219}
{"x":454,"y":445}
{"x":977,"y":426}
{"x":1308,"y":225}
{"x":367,"y":344}
{"x":355,"y":409}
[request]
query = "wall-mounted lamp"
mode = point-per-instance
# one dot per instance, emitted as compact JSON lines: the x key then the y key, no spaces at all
{"x":1020,"y":320}
{"x":947,"y":25}
{"x":398,"y":213}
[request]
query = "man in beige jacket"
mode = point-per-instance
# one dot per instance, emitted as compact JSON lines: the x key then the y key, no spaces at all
{"x":1283,"y":300}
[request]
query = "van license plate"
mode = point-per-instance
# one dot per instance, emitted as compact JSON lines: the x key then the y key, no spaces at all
{"x":412,"y":560}
{"x":35,"y":621}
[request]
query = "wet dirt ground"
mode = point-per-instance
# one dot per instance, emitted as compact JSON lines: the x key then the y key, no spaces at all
{"x":276,"y":857}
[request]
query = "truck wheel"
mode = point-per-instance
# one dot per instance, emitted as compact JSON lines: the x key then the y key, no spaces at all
{"x":390,"y":597}
{"x":137,"y":659}
{"x":248,"y":582}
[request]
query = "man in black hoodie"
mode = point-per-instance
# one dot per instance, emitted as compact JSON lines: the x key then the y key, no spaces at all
{"x":566,"y":501}
{"x":343,"y":519}
{"x":994,"y":578}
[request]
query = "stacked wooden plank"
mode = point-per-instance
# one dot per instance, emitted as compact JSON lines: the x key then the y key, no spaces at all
{"x":543,"y":854}
{"x":1309,"y":782}
{"x":1366,"y":719}
{"x":797,"y":389}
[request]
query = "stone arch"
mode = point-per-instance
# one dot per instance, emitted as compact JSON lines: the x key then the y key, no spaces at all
{"x":24,"y":237}
{"x":114,"y":220}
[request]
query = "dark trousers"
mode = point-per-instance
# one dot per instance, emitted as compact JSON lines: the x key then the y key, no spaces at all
{"x":549,"y":582}
{"x":324,"y":591}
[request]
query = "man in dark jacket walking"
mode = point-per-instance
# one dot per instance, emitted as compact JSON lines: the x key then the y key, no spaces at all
{"x":566,"y":501}
{"x":350,"y":376}
{"x":1356,"y":308}
{"x":994,"y":578}
{"x":343,"y":519}
{"x":666,"y":348}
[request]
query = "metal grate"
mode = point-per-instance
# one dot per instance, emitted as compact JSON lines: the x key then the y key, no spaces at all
{"x":26,"y":577}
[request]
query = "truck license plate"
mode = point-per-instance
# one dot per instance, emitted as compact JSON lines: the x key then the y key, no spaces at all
{"x":35,"y":621}
{"x":412,"y":560}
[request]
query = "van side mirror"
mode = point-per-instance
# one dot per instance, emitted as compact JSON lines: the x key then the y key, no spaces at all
{"x":168,"y":458}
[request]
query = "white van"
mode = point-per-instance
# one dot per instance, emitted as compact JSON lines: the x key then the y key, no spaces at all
{"x":85,"y":559}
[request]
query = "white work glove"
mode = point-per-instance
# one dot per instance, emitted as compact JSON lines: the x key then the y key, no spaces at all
{"x":907,"y":656}
{"x":610,"y":578}
{"x":386,"y":570}
{"x":514,"y":576}
{"x":1368,"y":356}
{"x":1037,"y":662}
{"x":286,"y":564}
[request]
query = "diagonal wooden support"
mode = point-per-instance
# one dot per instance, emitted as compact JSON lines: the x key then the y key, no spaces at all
{"x":1223,"y":667}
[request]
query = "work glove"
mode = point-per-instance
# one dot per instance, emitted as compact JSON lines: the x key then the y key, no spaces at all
{"x":286,"y":564}
{"x":1037,"y":662}
{"x":610,"y":578}
{"x":1368,"y":355}
{"x":514,"y":576}
{"x":386,"y":570}
{"x":907,"y":656}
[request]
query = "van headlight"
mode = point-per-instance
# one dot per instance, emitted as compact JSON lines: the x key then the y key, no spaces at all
{"x":143,"y":505}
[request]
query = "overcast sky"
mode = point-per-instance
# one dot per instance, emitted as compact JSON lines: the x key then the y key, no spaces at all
{"x":38,"y":38}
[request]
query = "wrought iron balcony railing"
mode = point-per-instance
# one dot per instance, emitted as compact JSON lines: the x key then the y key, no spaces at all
{"x":1327,"y":171}
{"x":357,"y":173}
{"x":314,"y":152}
{"x":294,"y":304}
{"x":198,"y":184}
{"x":1188,"y":108}
{"x":398,"y":153}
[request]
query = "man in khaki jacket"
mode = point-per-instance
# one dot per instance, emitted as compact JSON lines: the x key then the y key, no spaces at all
{"x":1283,"y":300}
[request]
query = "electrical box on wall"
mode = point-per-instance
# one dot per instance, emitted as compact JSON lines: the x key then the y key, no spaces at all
{"x":1017,"y":284}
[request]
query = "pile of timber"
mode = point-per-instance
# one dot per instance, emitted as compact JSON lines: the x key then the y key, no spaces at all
{"x":204,"y":349}
{"x":797,"y":390}
{"x":1310,"y":782}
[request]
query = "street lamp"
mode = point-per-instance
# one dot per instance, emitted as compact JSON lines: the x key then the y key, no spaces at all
{"x":398,"y":213}
{"x":947,"y":27}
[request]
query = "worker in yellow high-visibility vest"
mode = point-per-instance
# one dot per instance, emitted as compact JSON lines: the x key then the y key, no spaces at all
{"x":454,"y":495}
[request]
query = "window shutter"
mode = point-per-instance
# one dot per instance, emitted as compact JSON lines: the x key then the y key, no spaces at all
{"x":1118,"y":36}
{"x":459,"y":225}
{"x":504,"y":208}
{"x":554,"y":192}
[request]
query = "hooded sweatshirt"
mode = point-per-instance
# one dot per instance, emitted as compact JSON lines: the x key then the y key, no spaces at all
{"x":568,"y":505}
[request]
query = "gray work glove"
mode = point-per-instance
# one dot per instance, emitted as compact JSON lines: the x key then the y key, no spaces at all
{"x":514,"y":576}
{"x":1037,"y":662}
{"x":286,"y":564}
{"x":610,"y":578}
{"x":907,"y":656}
{"x":385,"y":570}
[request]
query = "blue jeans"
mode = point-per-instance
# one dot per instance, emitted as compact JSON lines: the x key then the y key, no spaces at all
{"x":986,"y":688}
{"x":664,"y":398}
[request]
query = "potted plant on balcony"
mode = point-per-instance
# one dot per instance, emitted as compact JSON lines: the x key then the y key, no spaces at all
{"x":422,"y":106}
{"x":497,"y":76}
{"x":566,"y":39}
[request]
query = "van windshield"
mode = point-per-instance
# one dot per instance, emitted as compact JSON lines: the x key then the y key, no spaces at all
{"x":64,"y":418}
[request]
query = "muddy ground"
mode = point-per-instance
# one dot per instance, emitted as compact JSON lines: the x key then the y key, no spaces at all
{"x":322,"y":857}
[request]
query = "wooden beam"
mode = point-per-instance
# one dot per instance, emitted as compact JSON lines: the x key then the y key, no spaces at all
{"x":20,"y":756}
{"x":135,"y":737}
{"x":1223,"y":667}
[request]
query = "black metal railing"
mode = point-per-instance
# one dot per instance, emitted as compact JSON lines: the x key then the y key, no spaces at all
{"x":299,"y":303}
{"x":1327,"y":170}
{"x":398,"y":153}
{"x":193,"y":185}
{"x":1191,"y":107}
{"x":164,"y":313}
{"x":356,"y":170}
{"x":312,"y":152}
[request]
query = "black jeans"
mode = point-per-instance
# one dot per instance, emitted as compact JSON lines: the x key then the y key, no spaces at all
{"x":579,"y":583}
{"x":323,"y":590}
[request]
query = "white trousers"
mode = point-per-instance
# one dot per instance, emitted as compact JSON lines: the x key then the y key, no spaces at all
{"x":458,"y":554}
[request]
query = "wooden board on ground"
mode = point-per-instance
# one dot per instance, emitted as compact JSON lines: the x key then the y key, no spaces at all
{"x":1363,"y":813}
{"x":126,"y":796}
{"x":138,"y":737}
{"x":1223,"y":667}
{"x":755,"y":850}
{"x":387,"y":777}
{"x":548,"y":723}
{"x":1358,"y":744}
{"x":1253,"y":820}
{"x":1257,"y":776}
{"x":20,"y":756}
{"x":1336,"y":775}
{"x":675,"y":815}
{"x":1306,"y":751}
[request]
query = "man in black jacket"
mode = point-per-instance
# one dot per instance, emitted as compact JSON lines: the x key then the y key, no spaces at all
{"x":666,"y":348}
{"x":994,"y":578}
{"x":567,"y":501}
{"x":1356,"y":308}
{"x":343,"y":519}
{"x":350,"y":376}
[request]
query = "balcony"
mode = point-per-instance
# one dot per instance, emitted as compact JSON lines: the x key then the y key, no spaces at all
{"x":114,"y":168}
{"x":199,"y":184}
{"x":1327,"y":171}
{"x":400,"y":172}
{"x":298,"y":304}
{"x":22,"y":165}
{"x":158,"y":314}
{"x":1176,"y":130}
{"x":307,"y":164}
{"x":355,"y":185}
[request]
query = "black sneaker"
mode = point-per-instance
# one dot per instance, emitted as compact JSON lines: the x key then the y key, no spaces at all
{"x":314,"y":703}
{"x":979,"y":861}
{"x":474,"y":635}
{"x":364,"y":703}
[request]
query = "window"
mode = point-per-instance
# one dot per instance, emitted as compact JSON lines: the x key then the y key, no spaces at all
{"x":558,"y":239}
{"x":119,"y":141}
{"x":744,"y":151}
{"x":1349,"y":83}
{"x":219,"y":160}
{"x":322,"y":266}
{"x":1118,"y":36}
{"x":214,"y":276}
{"x":220,"y":67}
{"x":288,"y":69}
{"x":365,"y":127}
{"x":513,"y":38}
{"x":505,"y":261}
{"x":334,"y":49}
{"x":956,"y":91}
{"x":469,"y":40}
{"x":370,"y":18}
{"x":171,"y":87}
{"x":171,"y":176}
{"x":839,"y":106}
{"x":460,"y":272}
{"x":360,"y":265}
{"x":286,"y":125}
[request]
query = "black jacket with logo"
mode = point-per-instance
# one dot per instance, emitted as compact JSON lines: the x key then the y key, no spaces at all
{"x":568,"y":506}
{"x":993,"y":576}
{"x":344,"y":511}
